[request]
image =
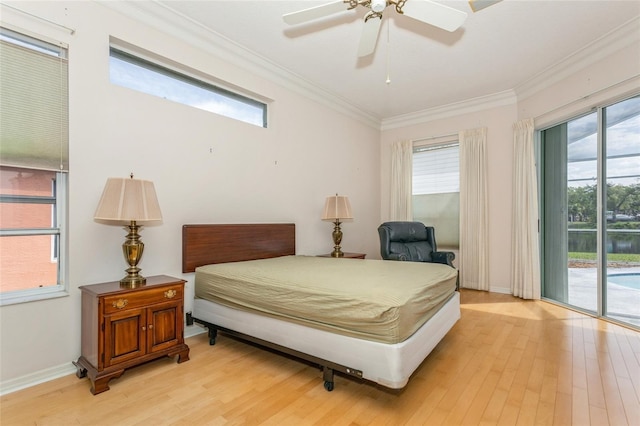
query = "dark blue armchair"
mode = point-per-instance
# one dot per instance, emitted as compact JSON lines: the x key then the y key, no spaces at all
{"x":412,"y":241}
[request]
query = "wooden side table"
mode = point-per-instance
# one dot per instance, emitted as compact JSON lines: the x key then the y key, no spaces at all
{"x":124,"y":327}
{"x":346,"y":255}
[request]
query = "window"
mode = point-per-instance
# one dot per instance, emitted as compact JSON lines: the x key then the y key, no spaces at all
{"x":436,"y":190}
{"x":33,"y":167}
{"x":129,"y":70}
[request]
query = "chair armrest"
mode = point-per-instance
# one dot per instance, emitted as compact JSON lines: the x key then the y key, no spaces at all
{"x":445,"y":257}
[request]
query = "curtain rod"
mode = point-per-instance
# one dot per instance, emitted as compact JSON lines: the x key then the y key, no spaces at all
{"x":585,"y":97}
{"x":428,"y":138}
{"x":71,"y":30}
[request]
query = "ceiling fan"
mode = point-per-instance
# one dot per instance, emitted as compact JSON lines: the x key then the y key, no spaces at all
{"x":438,"y":15}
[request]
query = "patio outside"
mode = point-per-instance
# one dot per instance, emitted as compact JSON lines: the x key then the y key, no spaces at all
{"x":623,"y":302}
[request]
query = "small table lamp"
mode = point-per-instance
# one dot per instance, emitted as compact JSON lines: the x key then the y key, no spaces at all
{"x":128,"y":201}
{"x":336,"y":208}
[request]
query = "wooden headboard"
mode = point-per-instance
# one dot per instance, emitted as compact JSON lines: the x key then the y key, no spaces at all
{"x":207,"y":244}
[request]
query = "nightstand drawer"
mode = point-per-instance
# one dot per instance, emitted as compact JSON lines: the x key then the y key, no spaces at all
{"x":140,"y":299}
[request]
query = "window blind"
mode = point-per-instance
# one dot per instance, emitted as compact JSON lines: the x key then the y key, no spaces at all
{"x":436,"y":169}
{"x":34,"y":117}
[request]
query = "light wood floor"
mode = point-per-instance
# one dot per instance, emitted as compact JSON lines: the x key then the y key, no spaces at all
{"x":507,"y":361}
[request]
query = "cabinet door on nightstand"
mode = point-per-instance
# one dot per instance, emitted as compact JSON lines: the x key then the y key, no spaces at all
{"x":124,"y":336}
{"x":164,"y":329}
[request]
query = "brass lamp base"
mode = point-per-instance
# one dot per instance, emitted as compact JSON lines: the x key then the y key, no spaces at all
{"x":133,"y":281}
{"x":337,"y":239}
{"x":132,"y":249}
{"x":337,"y":252}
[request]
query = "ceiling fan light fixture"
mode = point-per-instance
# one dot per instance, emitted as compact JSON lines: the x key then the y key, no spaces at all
{"x":378,"y":5}
{"x":427,"y":11}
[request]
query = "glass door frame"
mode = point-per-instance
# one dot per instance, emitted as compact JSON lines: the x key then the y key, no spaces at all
{"x":601,"y":209}
{"x":601,"y":218}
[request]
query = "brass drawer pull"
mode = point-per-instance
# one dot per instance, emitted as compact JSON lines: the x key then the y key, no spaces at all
{"x":120,"y":303}
{"x":170,"y":294}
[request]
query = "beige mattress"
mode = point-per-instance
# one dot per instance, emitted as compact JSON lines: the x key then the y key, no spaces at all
{"x":383,"y":301}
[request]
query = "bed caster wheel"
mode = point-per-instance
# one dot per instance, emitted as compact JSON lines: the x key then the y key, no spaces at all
{"x":328,"y":386}
{"x":212,"y":341}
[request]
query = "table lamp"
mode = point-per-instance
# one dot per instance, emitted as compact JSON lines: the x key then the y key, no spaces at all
{"x":336,"y":208}
{"x":127,"y":202}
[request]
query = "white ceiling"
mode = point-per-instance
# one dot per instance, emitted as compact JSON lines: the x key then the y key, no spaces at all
{"x":497,"y":49}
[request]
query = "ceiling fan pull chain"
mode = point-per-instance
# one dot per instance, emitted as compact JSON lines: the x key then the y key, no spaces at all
{"x":388,"y":80}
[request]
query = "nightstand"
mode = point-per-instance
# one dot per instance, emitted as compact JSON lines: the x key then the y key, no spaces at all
{"x":124,"y":327}
{"x":346,"y":255}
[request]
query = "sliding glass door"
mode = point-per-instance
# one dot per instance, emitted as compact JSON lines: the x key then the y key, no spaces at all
{"x":590,"y":205}
{"x":621,"y":221}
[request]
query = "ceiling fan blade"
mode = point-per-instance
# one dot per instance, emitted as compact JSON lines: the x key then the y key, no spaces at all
{"x":316,"y":12}
{"x":435,"y":14}
{"x":369,"y":36}
{"x":477,"y":5}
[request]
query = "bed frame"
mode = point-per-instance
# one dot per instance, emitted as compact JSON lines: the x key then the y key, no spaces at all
{"x":210,"y":244}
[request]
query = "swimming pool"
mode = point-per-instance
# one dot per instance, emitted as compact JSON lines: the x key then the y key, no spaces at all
{"x":631,"y":280}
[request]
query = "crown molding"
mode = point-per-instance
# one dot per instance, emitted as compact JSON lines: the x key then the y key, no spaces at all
{"x":167,"y":20}
{"x":624,"y":36}
{"x":620,"y":38}
{"x":468,"y":106}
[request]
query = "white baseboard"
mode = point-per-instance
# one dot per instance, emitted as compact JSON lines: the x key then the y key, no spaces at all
{"x":35,"y":378}
{"x":193,"y":330}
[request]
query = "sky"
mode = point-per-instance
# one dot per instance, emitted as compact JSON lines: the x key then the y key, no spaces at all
{"x":170,"y":87}
{"x":622,"y":145}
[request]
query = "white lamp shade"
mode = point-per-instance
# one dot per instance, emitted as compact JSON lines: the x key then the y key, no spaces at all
{"x":127,"y":199}
{"x":337,"y":207}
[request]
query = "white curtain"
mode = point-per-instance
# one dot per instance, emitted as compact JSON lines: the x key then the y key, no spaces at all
{"x":401,"y":177}
{"x":525,"y":258}
{"x":474,"y":216}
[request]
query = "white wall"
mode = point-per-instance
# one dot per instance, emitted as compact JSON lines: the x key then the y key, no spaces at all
{"x":606,"y":81}
{"x":206,"y":169}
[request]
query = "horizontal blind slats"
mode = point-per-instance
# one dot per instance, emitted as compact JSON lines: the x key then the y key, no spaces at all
{"x":34,"y":117}
{"x":436,"y":171}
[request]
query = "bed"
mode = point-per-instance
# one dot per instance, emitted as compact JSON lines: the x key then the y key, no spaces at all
{"x":369,"y":319}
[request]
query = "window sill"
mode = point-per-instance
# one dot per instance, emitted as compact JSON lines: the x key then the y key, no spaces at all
{"x":24,"y":296}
